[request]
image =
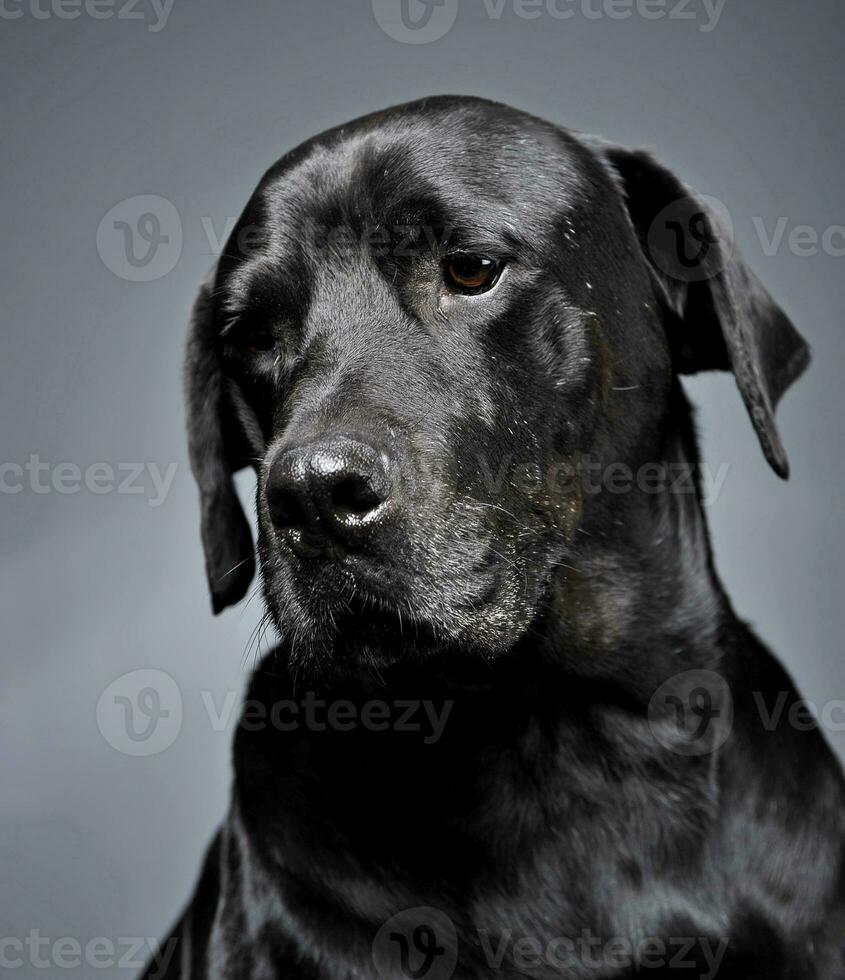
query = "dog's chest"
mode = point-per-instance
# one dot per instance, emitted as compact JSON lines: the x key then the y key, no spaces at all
{"x":517,"y":853}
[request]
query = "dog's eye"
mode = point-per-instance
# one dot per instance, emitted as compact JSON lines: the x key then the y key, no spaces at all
{"x":472,"y":274}
{"x":251,"y":341}
{"x":259,"y":343}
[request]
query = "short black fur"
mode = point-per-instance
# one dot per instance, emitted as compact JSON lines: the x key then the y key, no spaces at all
{"x":439,"y":524}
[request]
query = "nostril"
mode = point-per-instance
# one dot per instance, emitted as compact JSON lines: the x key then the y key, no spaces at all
{"x":287,"y":510}
{"x":354,"y":496}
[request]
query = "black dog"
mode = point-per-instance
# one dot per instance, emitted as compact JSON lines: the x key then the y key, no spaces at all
{"x":513,"y":726}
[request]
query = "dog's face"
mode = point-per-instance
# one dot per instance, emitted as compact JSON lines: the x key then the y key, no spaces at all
{"x":422,"y":325}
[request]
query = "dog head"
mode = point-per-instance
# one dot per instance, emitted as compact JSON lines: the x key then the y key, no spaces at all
{"x":422,"y":325}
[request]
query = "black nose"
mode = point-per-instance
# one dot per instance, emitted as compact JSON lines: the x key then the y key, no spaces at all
{"x":328,"y":492}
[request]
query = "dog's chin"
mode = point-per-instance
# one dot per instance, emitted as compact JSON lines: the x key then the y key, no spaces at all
{"x":379,"y":634}
{"x":340,"y":621}
{"x":324,"y":634}
{"x":365,"y":637}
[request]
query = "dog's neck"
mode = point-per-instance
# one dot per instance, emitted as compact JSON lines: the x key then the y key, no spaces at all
{"x":479,"y":773}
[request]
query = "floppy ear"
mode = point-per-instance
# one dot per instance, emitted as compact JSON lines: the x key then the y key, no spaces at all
{"x":719,"y":314}
{"x":217,"y":449}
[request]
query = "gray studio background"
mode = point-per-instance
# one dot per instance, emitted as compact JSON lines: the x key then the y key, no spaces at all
{"x":97,"y":110}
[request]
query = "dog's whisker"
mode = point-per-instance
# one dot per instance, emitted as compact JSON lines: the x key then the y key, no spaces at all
{"x":234,"y":568}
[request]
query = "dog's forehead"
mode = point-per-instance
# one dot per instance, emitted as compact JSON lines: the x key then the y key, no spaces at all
{"x":479,"y":163}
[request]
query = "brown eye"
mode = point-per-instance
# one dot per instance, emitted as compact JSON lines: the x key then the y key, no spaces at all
{"x":258,"y":345}
{"x":256,"y":342}
{"x":244,"y":336}
{"x":472,"y":274}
